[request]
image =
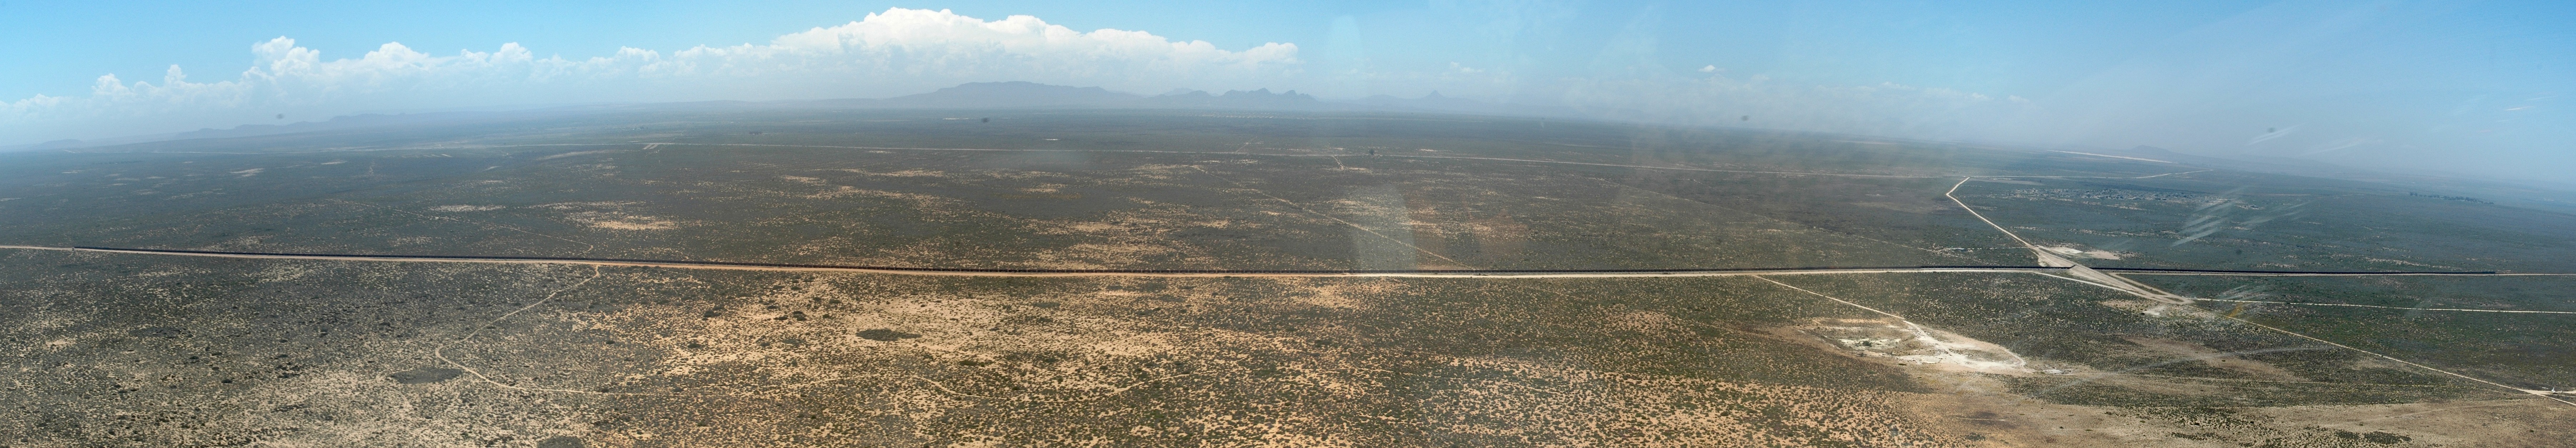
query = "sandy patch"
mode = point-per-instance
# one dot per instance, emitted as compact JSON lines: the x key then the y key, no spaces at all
{"x":1336,"y":294}
{"x":1099,"y":256}
{"x":921,"y":200}
{"x":466,"y":208}
{"x":2159,"y":309}
{"x":574,"y":205}
{"x":904,"y":173}
{"x":2083,"y":253}
{"x":1092,"y":227}
{"x":621,"y":221}
{"x":635,"y":223}
{"x":576,"y":153}
{"x":2408,"y":263}
{"x":1142,"y":345}
{"x":1914,"y":345}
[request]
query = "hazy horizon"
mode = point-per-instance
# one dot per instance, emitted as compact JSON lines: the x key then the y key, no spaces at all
{"x":2459,"y":89}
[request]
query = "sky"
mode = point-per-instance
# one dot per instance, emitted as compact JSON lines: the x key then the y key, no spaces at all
{"x":2449,"y":87}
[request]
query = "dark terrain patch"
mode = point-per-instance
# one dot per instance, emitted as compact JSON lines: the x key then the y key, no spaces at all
{"x":425,"y":375}
{"x":2379,"y":437}
{"x":561,"y":442}
{"x":881,"y":334}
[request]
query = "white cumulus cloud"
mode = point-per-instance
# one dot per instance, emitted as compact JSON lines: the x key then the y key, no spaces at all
{"x":895,"y":52}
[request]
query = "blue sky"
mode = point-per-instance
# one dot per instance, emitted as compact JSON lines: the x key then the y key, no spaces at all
{"x":2466,"y":87}
{"x":1993,"y":47}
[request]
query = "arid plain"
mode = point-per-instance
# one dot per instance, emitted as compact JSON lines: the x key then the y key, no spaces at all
{"x":1309,"y":315}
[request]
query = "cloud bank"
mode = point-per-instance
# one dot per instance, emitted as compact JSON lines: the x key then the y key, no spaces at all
{"x":898,"y":51}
